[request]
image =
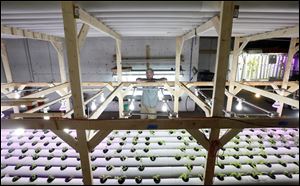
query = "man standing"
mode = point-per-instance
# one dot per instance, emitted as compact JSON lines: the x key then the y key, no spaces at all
{"x":150,"y":96}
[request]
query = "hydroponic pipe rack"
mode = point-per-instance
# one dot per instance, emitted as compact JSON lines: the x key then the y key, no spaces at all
{"x":255,"y":156}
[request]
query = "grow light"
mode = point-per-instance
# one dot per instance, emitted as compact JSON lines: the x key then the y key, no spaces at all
{"x":276,"y":104}
{"x":239,"y":106}
{"x":102,"y":98}
{"x":257,"y":95}
{"x":93,"y":106}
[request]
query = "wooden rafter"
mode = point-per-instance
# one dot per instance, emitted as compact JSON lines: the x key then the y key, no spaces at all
{"x":85,"y":17}
{"x":29,"y":34}
{"x":285,"y":32}
{"x":212,"y":23}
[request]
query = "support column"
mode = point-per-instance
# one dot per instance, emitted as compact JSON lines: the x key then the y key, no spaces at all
{"x":179,"y":45}
{"x":70,"y":28}
{"x":58,"y":46}
{"x":233,"y":72}
{"x":287,"y":71}
{"x":119,"y":74}
{"x":224,"y":39}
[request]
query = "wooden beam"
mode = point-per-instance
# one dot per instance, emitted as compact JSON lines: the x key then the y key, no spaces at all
{"x":19,"y":102}
{"x":218,"y":97}
{"x":270,"y":95}
{"x":58,"y":46}
{"x":29,"y":34}
{"x":170,"y":83}
{"x":157,"y":124}
{"x":222,"y":58}
{"x":285,"y":32}
{"x":48,"y":104}
{"x":204,"y":106}
{"x":213,"y":22}
{"x":119,"y":60}
{"x":228,"y":136}
{"x":179,"y":46}
{"x":109,"y":98}
{"x":82,"y":34}
{"x":70,"y":29}
{"x":36,"y":115}
{"x":46,"y":91}
{"x":233,"y":71}
{"x":200,"y":137}
{"x":5,"y":63}
{"x":287,"y":71}
{"x":86,"y":18}
{"x":97,"y":138}
{"x":67,"y":138}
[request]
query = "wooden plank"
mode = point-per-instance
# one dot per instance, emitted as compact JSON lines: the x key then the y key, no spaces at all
{"x":82,"y":34}
{"x":228,"y":136}
{"x":204,"y":106}
{"x":71,"y":40}
{"x":202,"y":28}
{"x":200,"y":137}
{"x":218,"y":97}
{"x":270,"y":95}
{"x":119,"y":60}
{"x":48,"y":104}
{"x":109,"y":98}
{"x":95,"y":23}
{"x":145,"y":124}
{"x":67,"y":138}
{"x":97,"y":138}
{"x":170,"y":83}
{"x":29,"y":34}
{"x":287,"y":71}
{"x":36,"y":115}
{"x":5,"y":63}
{"x":285,"y":32}
{"x":47,"y":91}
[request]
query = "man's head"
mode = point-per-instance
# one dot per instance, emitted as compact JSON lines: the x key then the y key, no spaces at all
{"x":149,"y":73}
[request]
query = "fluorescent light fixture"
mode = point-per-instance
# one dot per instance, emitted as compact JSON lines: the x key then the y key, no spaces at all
{"x":23,"y":106}
{"x":19,"y":131}
{"x":239,"y":106}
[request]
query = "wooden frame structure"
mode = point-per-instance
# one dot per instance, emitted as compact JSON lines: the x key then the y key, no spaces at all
{"x":86,"y":143}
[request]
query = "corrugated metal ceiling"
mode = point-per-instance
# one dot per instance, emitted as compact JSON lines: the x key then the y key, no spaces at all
{"x":156,"y":18}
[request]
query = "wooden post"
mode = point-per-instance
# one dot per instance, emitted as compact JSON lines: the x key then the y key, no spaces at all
{"x":70,"y":28}
{"x":286,"y":75}
{"x":224,"y":39}
{"x":58,"y":46}
{"x":119,"y":74}
{"x":179,"y":45}
{"x":233,"y":71}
